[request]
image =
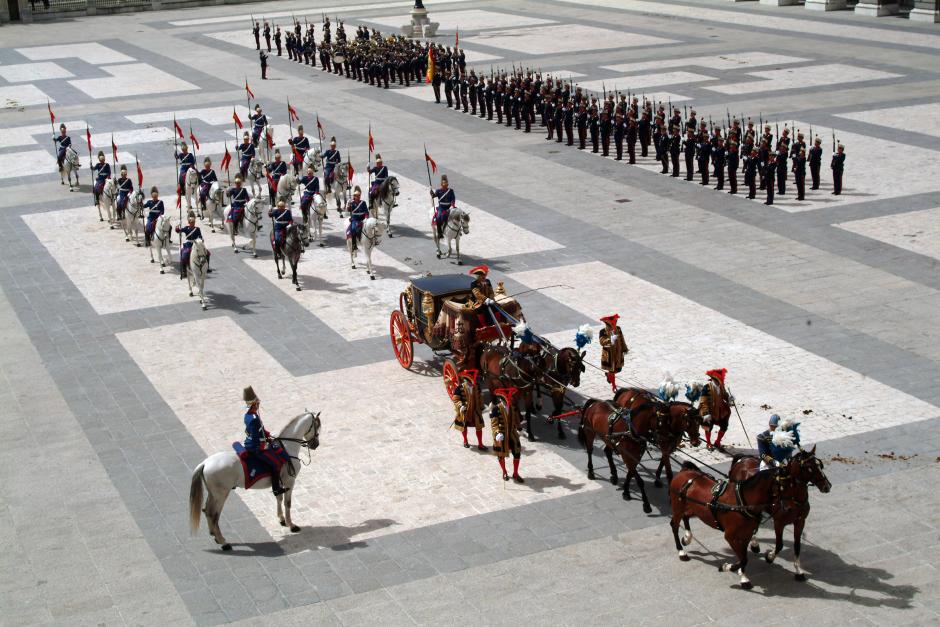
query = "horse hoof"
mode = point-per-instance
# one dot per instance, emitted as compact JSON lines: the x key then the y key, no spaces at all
{"x":190,"y":294}
{"x":161,"y":271}
{"x":298,"y":288}
{"x":755,"y":549}
{"x":390,"y":236}
{"x":283,"y":522}
{"x":100,"y":219}
{"x":235,"y":250}
{"x":658,"y":483}
{"x":255,"y":255}
{"x":205,"y":307}
{"x":591,"y":476}
{"x":647,"y":509}
{"x":322,"y":245}
{"x":800,"y":576}
{"x":152,"y":261}
{"x":459,"y":263}
{"x":562,"y":436}
{"x":615,"y":480}
{"x":127,"y":239}
{"x":746,"y":585}
{"x":626,"y":495}
{"x":372,"y":276}
{"x":295,"y":528}
{"x":226,"y":547}
{"x":685,"y":558}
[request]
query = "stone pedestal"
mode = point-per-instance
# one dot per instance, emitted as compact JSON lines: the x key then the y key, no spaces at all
{"x":778,"y":3}
{"x":925,"y":11}
{"x":420,"y":25}
{"x":825,"y":5}
{"x":876,"y":8}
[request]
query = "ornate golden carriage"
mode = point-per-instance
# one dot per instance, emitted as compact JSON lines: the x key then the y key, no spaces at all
{"x":437,"y":311}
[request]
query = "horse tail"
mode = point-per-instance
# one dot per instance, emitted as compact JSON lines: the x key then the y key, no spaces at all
{"x":195,"y":499}
{"x":584,"y":408}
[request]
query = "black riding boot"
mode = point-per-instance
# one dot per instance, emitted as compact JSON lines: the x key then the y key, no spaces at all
{"x":276,"y":486}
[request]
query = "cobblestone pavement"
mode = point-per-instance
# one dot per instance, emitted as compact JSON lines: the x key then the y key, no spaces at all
{"x":825,"y":310}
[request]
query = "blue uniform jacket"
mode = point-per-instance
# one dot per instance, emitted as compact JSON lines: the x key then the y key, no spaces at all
{"x":102,"y":170}
{"x":259,"y":121}
{"x":301,"y":144}
{"x":331,"y":159}
{"x":239,"y":196}
{"x":207,"y":176}
{"x":282,"y":218}
{"x":125,"y":186}
{"x":311,"y":185}
{"x":254,"y":432}
{"x":247,"y":149}
{"x":380,"y":173}
{"x":154,"y":209}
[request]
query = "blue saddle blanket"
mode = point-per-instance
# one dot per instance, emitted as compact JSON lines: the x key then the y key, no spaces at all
{"x":257,"y":465}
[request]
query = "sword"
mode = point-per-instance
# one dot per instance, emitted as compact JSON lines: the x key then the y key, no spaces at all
{"x":741,"y":420}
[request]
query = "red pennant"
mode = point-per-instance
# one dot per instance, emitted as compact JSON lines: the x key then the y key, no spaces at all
{"x":371,"y":141}
{"x":270,"y":140}
{"x":226,"y":159}
{"x":350,"y":171}
{"x":237,"y":120}
{"x":192,"y":138}
{"x":179,"y":130}
{"x":114,"y":149}
{"x":428,"y":158}
{"x":179,"y":198}
{"x":457,"y":38}
{"x":320,"y":129}
{"x":271,"y":182}
{"x":140,"y":176}
{"x":292,"y":112}
{"x":51,"y":114}
{"x":297,"y":156}
{"x":251,"y":94}
{"x":88,"y":137}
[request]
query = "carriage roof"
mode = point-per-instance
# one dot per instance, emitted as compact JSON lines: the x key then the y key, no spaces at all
{"x":444,"y":284}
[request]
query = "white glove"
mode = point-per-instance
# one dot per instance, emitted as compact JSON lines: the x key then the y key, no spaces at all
{"x":489,"y":301}
{"x":707,"y":419}
{"x":499,"y":437}
{"x":613,"y":338}
{"x":731,"y":398}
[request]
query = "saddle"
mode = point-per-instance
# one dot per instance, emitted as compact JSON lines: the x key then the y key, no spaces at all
{"x":257,"y":466}
{"x":626,"y":415}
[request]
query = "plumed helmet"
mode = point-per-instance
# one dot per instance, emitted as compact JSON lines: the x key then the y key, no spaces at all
{"x":154,"y":190}
{"x":191,"y":215}
{"x":100,"y":153}
{"x":249,"y":396}
{"x":357,"y":190}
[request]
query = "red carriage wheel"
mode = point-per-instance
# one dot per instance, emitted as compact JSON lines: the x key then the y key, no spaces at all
{"x":450,"y":376}
{"x":401,"y":339}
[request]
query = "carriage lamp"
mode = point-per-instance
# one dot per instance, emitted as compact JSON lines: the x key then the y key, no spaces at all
{"x":427,"y":308}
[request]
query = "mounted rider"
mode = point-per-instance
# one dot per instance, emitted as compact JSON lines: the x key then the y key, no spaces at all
{"x":63,"y":142}
{"x":154,"y":209}
{"x":258,"y":122}
{"x":358,"y":213}
{"x":380,"y":172}
{"x":715,"y":406}
{"x":190,"y":233}
{"x":257,"y":437}
{"x":276,"y":169}
{"x":468,"y":405}
{"x":239,"y":197}
{"x":505,"y":422}
{"x":125,"y":187}
{"x":282,"y":218}
{"x":613,"y":348}
{"x":207,"y":177}
{"x":301,"y":145}
{"x":776,"y":445}
{"x":247,"y":150}
{"x":186,"y":161}
{"x":445,"y":201}
{"x":331,"y":159}
{"x":310,"y":186}
{"x":102,"y":172}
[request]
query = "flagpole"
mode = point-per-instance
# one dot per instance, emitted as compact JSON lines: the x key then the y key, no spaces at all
{"x":247,"y":96}
{"x":113,"y":157}
{"x":228,"y":166}
{"x":369,"y":162}
{"x":427,"y":165}
{"x":176,"y":160}
{"x":320,"y":139}
{"x":88,"y":138}
{"x":290,"y":119}
{"x":55,"y":146}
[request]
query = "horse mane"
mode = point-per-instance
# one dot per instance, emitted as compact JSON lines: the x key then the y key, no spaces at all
{"x":294,"y":421}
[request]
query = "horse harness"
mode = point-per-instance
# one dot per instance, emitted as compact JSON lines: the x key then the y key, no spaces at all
{"x":752,"y":512}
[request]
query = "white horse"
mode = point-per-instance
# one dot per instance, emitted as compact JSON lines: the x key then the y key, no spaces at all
{"x":106,"y":200}
{"x":251,"y":221}
{"x":339,"y":187}
{"x":265,"y":151}
{"x":286,"y":188}
{"x":70,"y":164}
{"x":458,"y":223}
{"x":161,"y":242}
{"x":190,"y":190}
{"x":372,"y":230}
{"x":314,"y":220}
{"x":196,"y":272}
{"x":133,"y":215}
{"x":254,"y":175}
{"x":215,"y":205}
{"x":312,"y":160}
{"x":222,"y":472}
{"x":385,"y":198}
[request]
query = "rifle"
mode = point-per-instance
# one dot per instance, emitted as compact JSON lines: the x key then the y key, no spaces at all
{"x":604,"y":87}
{"x":833,"y":140}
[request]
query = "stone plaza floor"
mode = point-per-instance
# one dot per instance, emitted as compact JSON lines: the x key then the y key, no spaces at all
{"x":116,"y":385}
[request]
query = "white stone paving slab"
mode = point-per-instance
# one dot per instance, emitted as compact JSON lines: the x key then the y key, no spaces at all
{"x":564,"y":38}
{"x":333,"y":10}
{"x":641,"y":82}
{"x":132,"y":79}
{"x":668,"y":332}
{"x":803,"y":77}
{"x":387,"y":461}
{"x":94,"y":53}
{"x":917,"y":231}
{"x":113,"y":275}
{"x":241,"y":37}
{"x":32,"y":162}
{"x":133,"y":136}
{"x":733,"y":61}
{"x":562,"y":74}
{"x":28,"y":72}
{"x":922,"y":118}
{"x":23,"y":135}
{"x":475,"y":56}
{"x":466,"y":20}
{"x":13,"y":96}
{"x":215,"y":116}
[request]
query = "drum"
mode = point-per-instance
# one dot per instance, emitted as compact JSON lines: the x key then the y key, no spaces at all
{"x":338,"y":58}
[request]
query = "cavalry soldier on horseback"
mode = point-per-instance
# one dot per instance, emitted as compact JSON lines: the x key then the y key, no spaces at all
{"x":613,"y":348}
{"x":186,"y":160}
{"x":468,"y":403}
{"x":207,"y":177}
{"x":276,"y":169}
{"x":331,"y":159}
{"x":102,"y":171}
{"x":258,"y":121}
{"x":63,"y":142}
{"x":310,"y":187}
{"x":358,"y":213}
{"x":505,"y":422}
{"x":247,"y":150}
{"x":239,"y":198}
{"x":154,"y":208}
{"x":380,"y":172}
{"x":125,"y":187}
{"x":715,"y":406}
{"x":257,"y":437}
{"x":775,"y":446}
{"x":445,"y":200}
{"x":301,"y":146}
{"x":190,"y":233}
{"x":282,"y":217}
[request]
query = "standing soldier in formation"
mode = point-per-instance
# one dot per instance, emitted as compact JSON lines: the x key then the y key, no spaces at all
{"x":277,"y":39}
{"x":505,"y":422}
{"x":267,"y":35}
{"x":594,"y":127}
{"x":838,"y":166}
{"x":675,"y":149}
{"x":770,"y":171}
{"x":782,"y":168}
{"x":799,"y":174}
{"x":264,"y":65}
{"x":613,"y":348}
{"x":582,"y":125}
{"x":256,"y":31}
{"x":751,"y":169}
{"x":704,"y":148}
{"x":718,"y":162}
{"x":689,"y":147}
{"x":815,"y":161}
{"x":733,"y":159}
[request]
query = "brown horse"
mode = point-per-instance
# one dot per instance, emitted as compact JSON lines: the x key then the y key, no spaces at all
{"x":729,"y":506}
{"x":790,"y":505}
{"x":683,"y":419}
{"x":503,"y":368}
{"x":559,"y":369}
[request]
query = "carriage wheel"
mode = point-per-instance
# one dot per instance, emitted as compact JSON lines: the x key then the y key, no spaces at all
{"x":450,"y":376}
{"x":401,"y":339}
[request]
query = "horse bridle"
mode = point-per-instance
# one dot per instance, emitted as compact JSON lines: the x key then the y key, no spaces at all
{"x":304,"y":442}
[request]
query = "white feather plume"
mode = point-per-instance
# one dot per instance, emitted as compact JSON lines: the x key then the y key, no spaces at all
{"x":782,"y":438}
{"x":668,"y":388}
{"x":785,"y":424}
{"x":587,"y":331}
{"x":520,"y":328}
